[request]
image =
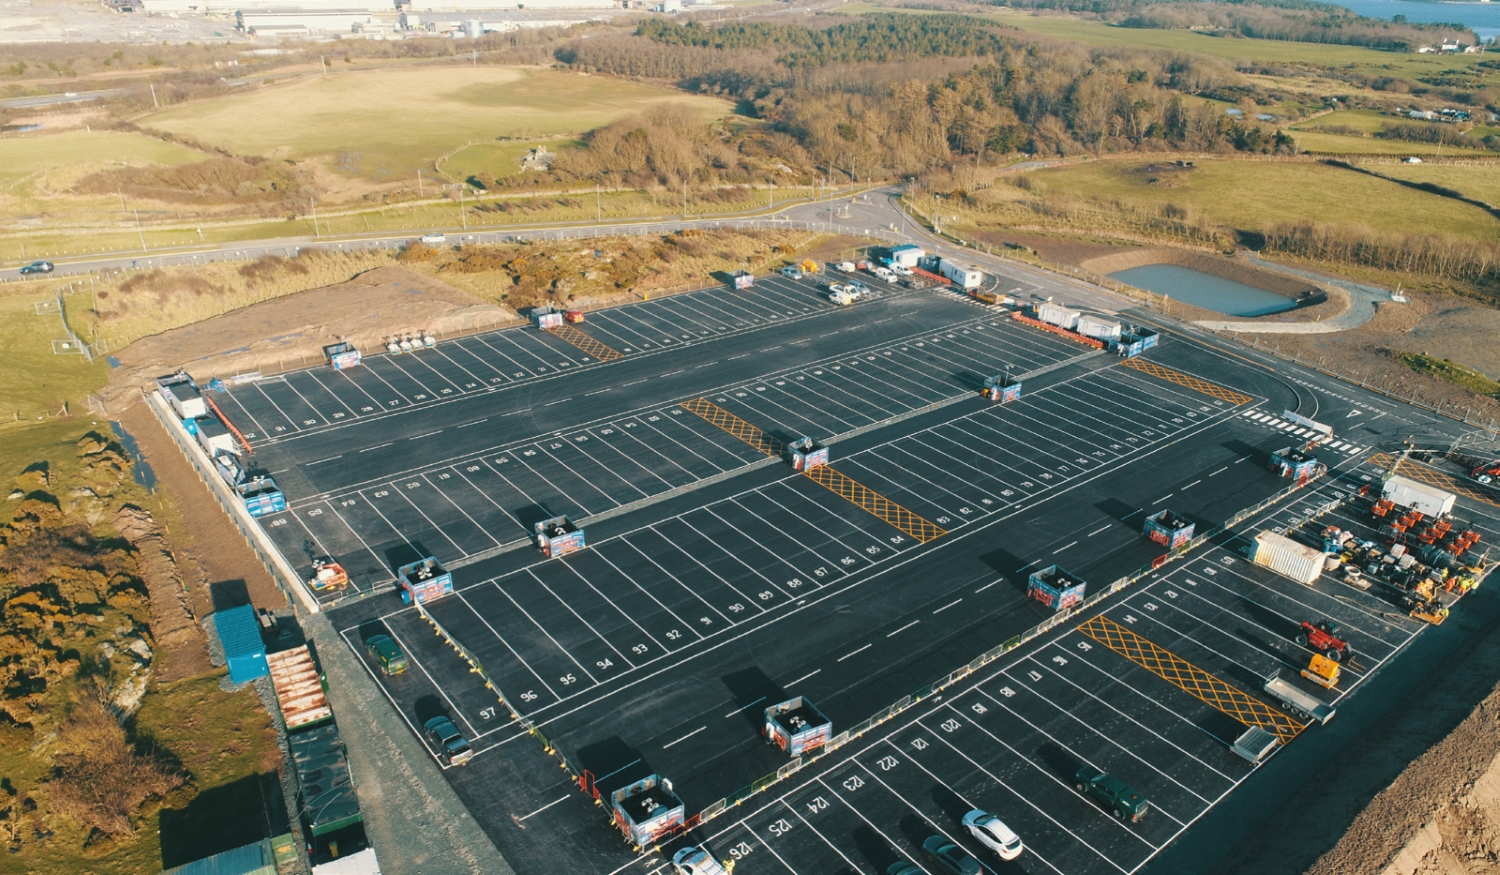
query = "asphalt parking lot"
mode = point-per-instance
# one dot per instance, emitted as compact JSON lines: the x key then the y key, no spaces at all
{"x":718,"y":580}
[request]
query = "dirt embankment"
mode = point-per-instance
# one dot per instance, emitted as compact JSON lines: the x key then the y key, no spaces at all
{"x":179,"y":641}
{"x":290,"y":332}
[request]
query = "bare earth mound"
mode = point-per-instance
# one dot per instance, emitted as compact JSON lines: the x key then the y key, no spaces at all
{"x":291,"y":332}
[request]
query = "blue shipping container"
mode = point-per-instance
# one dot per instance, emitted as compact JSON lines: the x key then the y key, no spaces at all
{"x":244,"y":650}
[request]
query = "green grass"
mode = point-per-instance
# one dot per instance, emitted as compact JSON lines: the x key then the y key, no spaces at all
{"x":1444,"y":369}
{"x":1343,"y":144}
{"x":33,"y":381}
{"x":223,"y":740}
{"x":1103,"y":35}
{"x":1366,"y":120}
{"x":498,"y":159}
{"x":1480,"y":181}
{"x":84,"y":152}
{"x":1260,"y":194}
{"x":385,"y":124}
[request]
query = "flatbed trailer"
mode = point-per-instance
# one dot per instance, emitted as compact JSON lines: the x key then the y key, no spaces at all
{"x":1299,"y":703}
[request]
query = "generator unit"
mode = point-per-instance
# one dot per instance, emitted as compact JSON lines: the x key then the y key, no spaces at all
{"x":1133,"y":341}
{"x":423,"y":581}
{"x":1001,"y":389}
{"x":341,"y":356}
{"x":1296,"y":464}
{"x":558,"y":536}
{"x":182,"y":395}
{"x":797,"y":726}
{"x":646,"y":809}
{"x":807,"y":454}
{"x":1055,"y":588}
{"x":261,"y":496}
{"x":1168,"y":529}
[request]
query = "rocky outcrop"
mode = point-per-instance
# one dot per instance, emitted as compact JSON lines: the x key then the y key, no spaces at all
{"x":176,"y":631}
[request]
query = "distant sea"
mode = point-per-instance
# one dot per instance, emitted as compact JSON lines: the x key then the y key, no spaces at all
{"x":1482,"y":18}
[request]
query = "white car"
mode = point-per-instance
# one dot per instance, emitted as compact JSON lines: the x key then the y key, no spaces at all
{"x":992,"y":832}
{"x":885,"y":274}
{"x":859,"y":289}
{"x":844,"y":267}
{"x":696,"y":861}
{"x":434,"y":239}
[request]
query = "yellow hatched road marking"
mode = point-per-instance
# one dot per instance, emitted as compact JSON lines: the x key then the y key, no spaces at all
{"x":1190,"y":679}
{"x":741,"y":429}
{"x":851,"y":490}
{"x":863,"y":496}
{"x":1211,"y":389}
{"x":1431,"y":476}
{"x":598,"y":350}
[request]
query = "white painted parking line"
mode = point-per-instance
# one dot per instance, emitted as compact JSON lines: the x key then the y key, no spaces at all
{"x":501,"y":639}
{"x":540,"y":810}
{"x":947,"y":606}
{"x":855,"y":652}
{"x":684,"y":738}
{"x":1100,"y":529}
{"x":902,"y":629}
{"x":1163,"y":498}
{"x":791,"y":684}
{"x":1064,"y":547}
{"x":745,"y":708}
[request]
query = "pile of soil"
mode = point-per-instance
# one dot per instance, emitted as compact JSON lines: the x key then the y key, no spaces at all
{"x":290,"y":332}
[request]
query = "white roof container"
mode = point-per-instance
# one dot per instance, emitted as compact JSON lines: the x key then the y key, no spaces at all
{"x":1418,"y":496}
{"x":1100,"y":329}
{"x":1062,"y":317}
{"x":1288,"y":558}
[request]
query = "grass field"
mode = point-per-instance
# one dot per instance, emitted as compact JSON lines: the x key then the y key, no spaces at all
{"x":1443,"y":369}
{"x":385,"y":124}
{"x":1256,"y":194}
{"x":1103,"y":35}
{"x":1480,"y":181}
{"x":1343,"y":144}
{"x":497,"y":159}
{"x":84,"y":152}
{"x":33,"y":381}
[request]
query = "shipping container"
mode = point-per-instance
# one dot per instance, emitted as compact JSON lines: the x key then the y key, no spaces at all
{"x":1002,"y":389}
{"x":646,"y":809}
{"x":1287,"y":557}
{"x":423,"y":581}
{"x":182,"y":395}
{"x":244,"y":651}
{"x":1168,"y":529}
{"x":1100,"y":329}
{"x":1055,"y":588}
{"x":742,"y":279}
{"x":1429,"y":500}
{"x":797,"y":726}
{"x":256,"y":859}
{"x":907,"y":255}
{"x":558,"y":536}
{"x":261,"y":496}
{"x":341,"y":355}
{"x":807,"y":454}
{"x":962,"y":275}
{"x":1062,"y":317}
{"x":213,"y":436}
{"x":299,"y":688}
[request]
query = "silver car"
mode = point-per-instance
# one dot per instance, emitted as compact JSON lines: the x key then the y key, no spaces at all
{"x":992,"y":832}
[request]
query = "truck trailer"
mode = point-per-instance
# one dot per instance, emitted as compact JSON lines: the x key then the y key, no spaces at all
{"x":1298,"y":703}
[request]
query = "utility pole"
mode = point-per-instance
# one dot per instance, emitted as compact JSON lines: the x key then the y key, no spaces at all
{"x":154,"y":101}
{"x":313,"y":202}
{"x":421,"y":192}
{"x":598,"y":204}
{"x":323,"y":59}
{"x":139,"y":230}
{"x":463,"y":216}
{"x":684,"y":197}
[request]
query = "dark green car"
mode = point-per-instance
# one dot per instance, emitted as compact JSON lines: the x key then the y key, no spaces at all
{"x":1112,"y":793}
{"x":387,"y":654}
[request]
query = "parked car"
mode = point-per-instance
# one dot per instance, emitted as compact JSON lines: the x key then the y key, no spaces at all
{"x":574,"y":316}
{"x":901,"y":270}
{"x":859,"y":289}
{"x":1112,"y":793}
{"x":950,"y":856}
{"x":792,"y":272}
{"x":38,"y":267}
{"x":992,"y":832}
{"x":434,"y":239}
{"x":452,"y":748}
{"x":885,"y":274}
{"x":696,"y":861}
{"x":386,"y":653}
{"x":901,"y":867}
{"x":844,"y":267}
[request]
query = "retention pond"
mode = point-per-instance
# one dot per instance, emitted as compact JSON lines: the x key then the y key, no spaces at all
{"x":1205,"y":290}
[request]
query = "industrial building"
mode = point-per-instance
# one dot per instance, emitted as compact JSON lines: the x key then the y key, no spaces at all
{"x":268,"y":22}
